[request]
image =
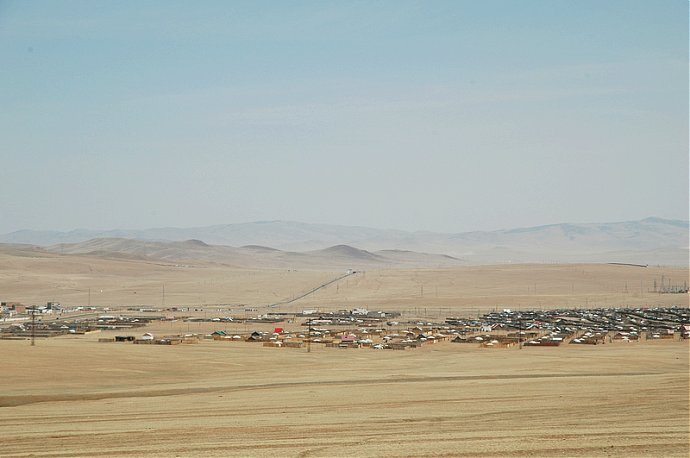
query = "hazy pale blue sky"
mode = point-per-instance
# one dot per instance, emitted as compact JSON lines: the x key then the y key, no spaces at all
{"x":433,"y":115}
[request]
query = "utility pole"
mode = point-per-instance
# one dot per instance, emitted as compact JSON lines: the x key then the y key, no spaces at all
{"x":33,"y":326}
{"x":309,"y":335}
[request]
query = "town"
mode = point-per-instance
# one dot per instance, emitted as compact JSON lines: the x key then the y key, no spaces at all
{"x":347,"y":328}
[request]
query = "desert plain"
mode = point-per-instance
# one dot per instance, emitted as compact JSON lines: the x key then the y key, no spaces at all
{"x":74,"y":396}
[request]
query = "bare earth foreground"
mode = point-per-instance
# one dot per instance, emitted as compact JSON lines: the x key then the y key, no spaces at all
{"x":77,"y":397}
{"x":74,"y":396}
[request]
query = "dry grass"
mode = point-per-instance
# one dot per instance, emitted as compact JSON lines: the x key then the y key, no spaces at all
{"x":434,"y":292}
{"x":73,"y":396}
{"x":76,"y":397}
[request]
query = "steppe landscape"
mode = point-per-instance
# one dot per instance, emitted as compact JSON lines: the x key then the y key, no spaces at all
{"x":307,"y":228}
{"x":74,"y":396}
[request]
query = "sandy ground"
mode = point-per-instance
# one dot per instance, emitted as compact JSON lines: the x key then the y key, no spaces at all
{"x":73,"y":396}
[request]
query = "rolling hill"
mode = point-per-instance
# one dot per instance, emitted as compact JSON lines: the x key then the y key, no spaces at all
{"x":646,"y":241}
{"x":252,"y":256}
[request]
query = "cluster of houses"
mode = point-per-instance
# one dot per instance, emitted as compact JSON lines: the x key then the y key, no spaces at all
{"x":360,"y":327}
{"x":584,"y":326}
{"x":26,"y":330}
{"x":149,"y":338}
{"x":59,"y":326}
{"x":357,"y":317}
{"x":11,"y":309}
{"x":507,"y":328}
{"x":494,"y":330}
{"x":377,"y":339}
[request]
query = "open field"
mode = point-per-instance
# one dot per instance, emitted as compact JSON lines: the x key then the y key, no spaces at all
{"x":72,"y":396}
{"x":435,"y":292}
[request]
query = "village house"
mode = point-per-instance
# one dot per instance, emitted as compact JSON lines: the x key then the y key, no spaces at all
{"x":685,"y":331}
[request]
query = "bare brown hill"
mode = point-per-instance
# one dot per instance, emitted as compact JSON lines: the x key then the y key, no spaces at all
{"x":34,"y":276}
{"x":645,"y":241}
{"x":333,"y":258}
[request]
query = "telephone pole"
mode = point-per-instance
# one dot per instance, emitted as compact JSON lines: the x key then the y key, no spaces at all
{"x":309,"y":335}
{"x":33,"y":326}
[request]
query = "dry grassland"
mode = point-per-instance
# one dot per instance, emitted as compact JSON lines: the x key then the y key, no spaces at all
{"x":464,"y":290}
{"x":434,"y":292}
{"x":72,"y":396}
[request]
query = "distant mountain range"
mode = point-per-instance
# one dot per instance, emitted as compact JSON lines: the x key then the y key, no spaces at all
{"x":647,"y":241}
{"x":251,"y":256}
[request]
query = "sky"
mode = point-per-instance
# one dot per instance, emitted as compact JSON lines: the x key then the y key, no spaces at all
{"x":445,"y":116}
